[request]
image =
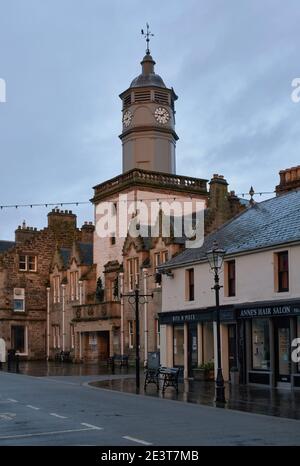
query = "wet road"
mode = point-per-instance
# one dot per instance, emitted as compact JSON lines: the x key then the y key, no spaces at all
{"x":65,"y":411}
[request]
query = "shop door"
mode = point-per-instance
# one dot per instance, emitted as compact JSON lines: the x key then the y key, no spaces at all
{"x":193,"y":349}
{"x":282,"y":351}
{"x":232,"y":348}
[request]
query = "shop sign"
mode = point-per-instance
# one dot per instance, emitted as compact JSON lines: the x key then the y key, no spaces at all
{"x":269,"y":311}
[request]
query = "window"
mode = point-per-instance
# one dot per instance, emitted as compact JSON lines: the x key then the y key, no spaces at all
{"x":72,"y":336}
{"x":178,"y":345}
{"x":19,"y":339}
{"x":157,"y":259}
{"x":19,"y":300}
{"x":164,"y":256}
{"x":113,"y":240}
{"x":157,"y":333}
{"x":283,"y":271}
{"x":190,"y":285}
{"x":260,"y":344}
{"x":74,"y":286}
{"x":56,"y":336}
{"x":298,"y":336}
{"x":131,"y":333}
{"x":27,"y":263}
{"x":56,"y":289}
{"x":133,"y":273}
{"x":231,"y":278}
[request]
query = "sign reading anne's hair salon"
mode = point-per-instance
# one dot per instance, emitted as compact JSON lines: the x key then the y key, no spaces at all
{"x":269,"y":311}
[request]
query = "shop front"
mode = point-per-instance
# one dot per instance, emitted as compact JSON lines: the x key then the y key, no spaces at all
{"x":267,"y":331}
{"x":190,"y":339}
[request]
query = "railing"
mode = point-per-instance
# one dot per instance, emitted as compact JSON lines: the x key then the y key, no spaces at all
{"x":105,"y":310}
{"x":146,"y":177}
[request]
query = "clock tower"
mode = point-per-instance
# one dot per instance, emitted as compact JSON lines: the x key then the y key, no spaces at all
{"x":148,"y":123}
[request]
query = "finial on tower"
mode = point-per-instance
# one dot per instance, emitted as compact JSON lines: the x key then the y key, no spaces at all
{"x":147,"y":36}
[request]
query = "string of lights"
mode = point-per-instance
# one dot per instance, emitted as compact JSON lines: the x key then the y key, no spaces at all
{"x":78,"y":203}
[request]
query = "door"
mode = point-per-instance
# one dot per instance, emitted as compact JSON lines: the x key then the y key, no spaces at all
{"x":192,"y":349}
{"x":232,"y":347}
{"x":282,"y":351}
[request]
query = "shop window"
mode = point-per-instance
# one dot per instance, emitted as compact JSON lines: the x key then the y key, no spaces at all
{"x":282,"y":272}
{"x":27,"y":263}
{"x":178,"y":345}
{"x":18,"y":338}
{"x":260,"y":344}
{"x":230,"y":286}
{"x":190,"y":291}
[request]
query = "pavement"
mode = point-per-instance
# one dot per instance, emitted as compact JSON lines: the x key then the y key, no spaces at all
{"x":66,"y":410}
{"x":252,"y":399}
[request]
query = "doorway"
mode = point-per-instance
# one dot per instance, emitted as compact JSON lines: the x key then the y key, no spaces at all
{"x":282,"y":352}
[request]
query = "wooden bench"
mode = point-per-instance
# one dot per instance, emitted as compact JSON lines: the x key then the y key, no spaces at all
{"x":120,"y":359}
{"x":169,"y":377}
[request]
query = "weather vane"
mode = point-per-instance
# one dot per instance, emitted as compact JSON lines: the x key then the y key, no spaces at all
{"x":147,"y":36}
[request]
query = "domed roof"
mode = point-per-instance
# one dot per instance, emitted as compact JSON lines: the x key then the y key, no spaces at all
{"x":148,"y":77}
{"x":152,"y":79}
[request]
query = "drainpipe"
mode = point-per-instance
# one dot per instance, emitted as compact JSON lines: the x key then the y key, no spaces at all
{"x":145,"y":318}
{"x":48,"y":324}
{"x":63,"y":316}
{"x":121,"y":275}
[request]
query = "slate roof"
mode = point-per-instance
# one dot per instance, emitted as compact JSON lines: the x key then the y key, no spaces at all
{"x":86,"y":253}
{"x":65,"y":255}
{"x":269,"y":223}
{"x":5,"y":245}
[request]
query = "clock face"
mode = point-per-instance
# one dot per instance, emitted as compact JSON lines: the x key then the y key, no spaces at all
{"x":162,"y":115}
{"x":127,"y":117}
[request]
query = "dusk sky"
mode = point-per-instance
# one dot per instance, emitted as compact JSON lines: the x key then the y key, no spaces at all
{"x":65,"y":62}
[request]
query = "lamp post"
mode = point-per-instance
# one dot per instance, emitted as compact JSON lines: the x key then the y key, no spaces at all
{"x":135,"y":298}
{"x":215,"y":258}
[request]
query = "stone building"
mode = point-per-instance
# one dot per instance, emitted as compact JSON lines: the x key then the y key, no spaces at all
{"x":24,"y":277}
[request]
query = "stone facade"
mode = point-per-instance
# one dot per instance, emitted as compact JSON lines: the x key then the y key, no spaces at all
{"x":24,"y":277}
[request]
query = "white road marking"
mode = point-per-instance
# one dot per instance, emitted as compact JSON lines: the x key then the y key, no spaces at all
{"x":7,"y":416}
{"x":142,"y":442}
{"x":12,"y":400}
{"x":91,"y":426}
{"x":33,"y":407}
{"x":39,"y":434}
{"x":58,"y":415}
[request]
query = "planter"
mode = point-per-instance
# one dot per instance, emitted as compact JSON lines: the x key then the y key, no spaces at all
{"x":199,"y":374}
{"x":234,"y":377}
{"x":203,"y":375}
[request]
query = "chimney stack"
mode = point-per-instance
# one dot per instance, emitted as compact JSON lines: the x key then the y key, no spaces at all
{"x":289,"y":180}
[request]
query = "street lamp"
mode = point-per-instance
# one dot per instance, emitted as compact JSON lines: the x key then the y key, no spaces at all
{"x":215,"y":258}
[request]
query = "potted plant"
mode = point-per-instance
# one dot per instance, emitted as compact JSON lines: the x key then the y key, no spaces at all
{"x":205,"y":371}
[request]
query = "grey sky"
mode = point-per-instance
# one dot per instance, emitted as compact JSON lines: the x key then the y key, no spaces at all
{"x":231,"y":62}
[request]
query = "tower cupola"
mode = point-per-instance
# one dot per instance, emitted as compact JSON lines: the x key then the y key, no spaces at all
{"x":148,"y":120}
